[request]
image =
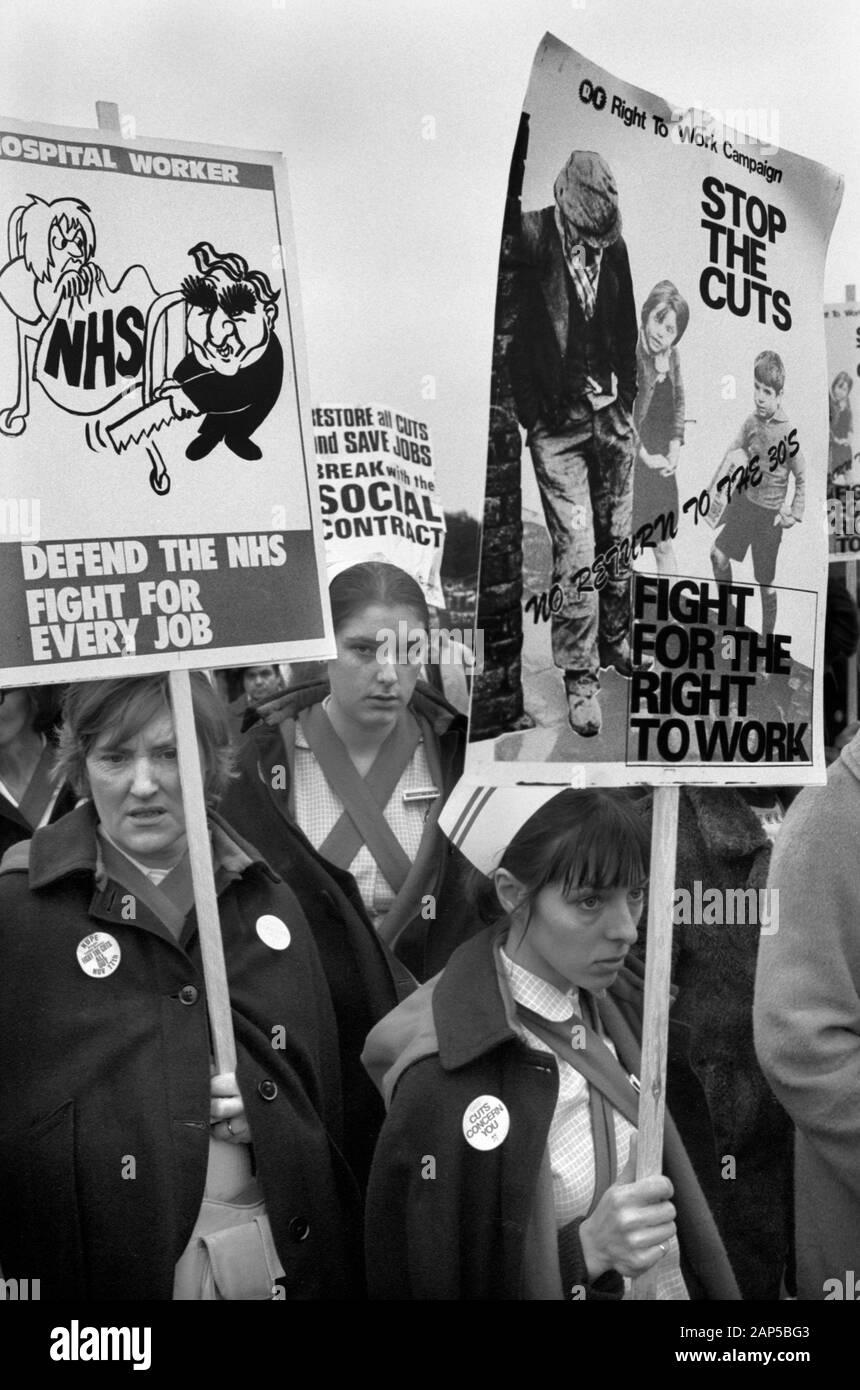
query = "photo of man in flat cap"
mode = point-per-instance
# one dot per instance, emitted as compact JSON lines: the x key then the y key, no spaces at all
{"x":573,"y":373}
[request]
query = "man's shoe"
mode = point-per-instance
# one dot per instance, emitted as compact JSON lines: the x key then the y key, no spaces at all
{"x":583,"y":713}
{"x":202,"y":445}
{"x":244,"y":448}
{"x":617,"y":655}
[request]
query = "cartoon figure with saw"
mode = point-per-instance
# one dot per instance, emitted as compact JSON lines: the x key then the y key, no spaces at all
{"x":235,"y":368}
{"x":97,"y":350}
{"x":233,"y":372}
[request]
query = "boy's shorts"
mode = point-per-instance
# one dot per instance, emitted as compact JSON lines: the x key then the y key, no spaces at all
{"x":749,"y":525}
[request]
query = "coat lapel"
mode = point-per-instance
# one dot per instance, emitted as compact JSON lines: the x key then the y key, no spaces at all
{"x":553,"y":283}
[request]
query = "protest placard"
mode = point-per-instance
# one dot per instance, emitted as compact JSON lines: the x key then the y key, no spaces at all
{"x":155,"y":444}
{"x":158,"y":509}
{"x":657,"y":394}
{"x":660,"y":372}
{"x":842,"y":333}
{"x":377,"y":491}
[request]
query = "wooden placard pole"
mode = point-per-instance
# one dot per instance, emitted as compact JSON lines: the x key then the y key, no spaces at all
{"x":196,"y":826}
{"x":851,"y":585}
{"x":107,"y":115}
{"x":202,"y":875}
{"x":655,"y":1030}
{"x":851,"y":683}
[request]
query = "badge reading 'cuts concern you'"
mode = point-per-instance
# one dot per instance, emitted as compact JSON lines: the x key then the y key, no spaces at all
{"x":98,"y":955}
{"x":486,"y":1122}
{"x":273,"y":932}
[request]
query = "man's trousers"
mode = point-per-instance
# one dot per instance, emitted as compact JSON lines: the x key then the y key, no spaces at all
{"x":585,"y":475}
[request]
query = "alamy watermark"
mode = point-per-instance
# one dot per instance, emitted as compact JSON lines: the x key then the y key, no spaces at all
{"x":720,"y":907}
{"x":20,"y":518}
{"x":842,"y":1289}
{"x":711,"y":129}
{"x":843,"y":517}
{"x":20,"y":1290}
{"x":452,"y":646}
{"x":76,"y":1343}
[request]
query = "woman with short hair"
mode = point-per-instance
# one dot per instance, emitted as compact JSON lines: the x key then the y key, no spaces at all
{"x":127,"y":1170}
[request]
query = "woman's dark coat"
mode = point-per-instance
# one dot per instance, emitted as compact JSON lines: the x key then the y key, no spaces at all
{"x":104,"y":1082}
{"x":448,"y":1221}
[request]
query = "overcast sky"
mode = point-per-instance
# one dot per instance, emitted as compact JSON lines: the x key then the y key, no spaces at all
{"x":397,"y":233}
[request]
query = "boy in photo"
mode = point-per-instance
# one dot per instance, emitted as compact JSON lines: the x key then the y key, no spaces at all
{"x":757,"y":516}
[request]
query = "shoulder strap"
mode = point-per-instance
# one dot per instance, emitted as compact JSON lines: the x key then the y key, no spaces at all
{"x":117,"y":867}
{"x":594,"y":1061}
{"x":593,"y":1068}
{"x":288,"y":738}
{"x":428,"y":868}
{"x":41,"y":789}
{"x":364,"y":799}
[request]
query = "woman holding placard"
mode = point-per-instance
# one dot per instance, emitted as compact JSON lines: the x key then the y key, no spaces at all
{"x":506,"y":1165}
{"x":127,"y":1170}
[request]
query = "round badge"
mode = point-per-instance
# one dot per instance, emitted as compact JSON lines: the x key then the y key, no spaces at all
{"x":273,"y":932}
{"x":486,"y":1122}
{"x":98,"y":955}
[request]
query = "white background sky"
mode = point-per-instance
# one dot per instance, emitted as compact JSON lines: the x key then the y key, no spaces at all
{"x":397,"y":235}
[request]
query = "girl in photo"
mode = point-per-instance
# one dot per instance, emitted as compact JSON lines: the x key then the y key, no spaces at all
{"x":841,"y":429}
{"x":658,"y":418}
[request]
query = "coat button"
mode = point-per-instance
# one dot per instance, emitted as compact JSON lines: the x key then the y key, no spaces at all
{"x":189,"y":994}
{"x":267,"y":1089}
{"x":299,"y":1229}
